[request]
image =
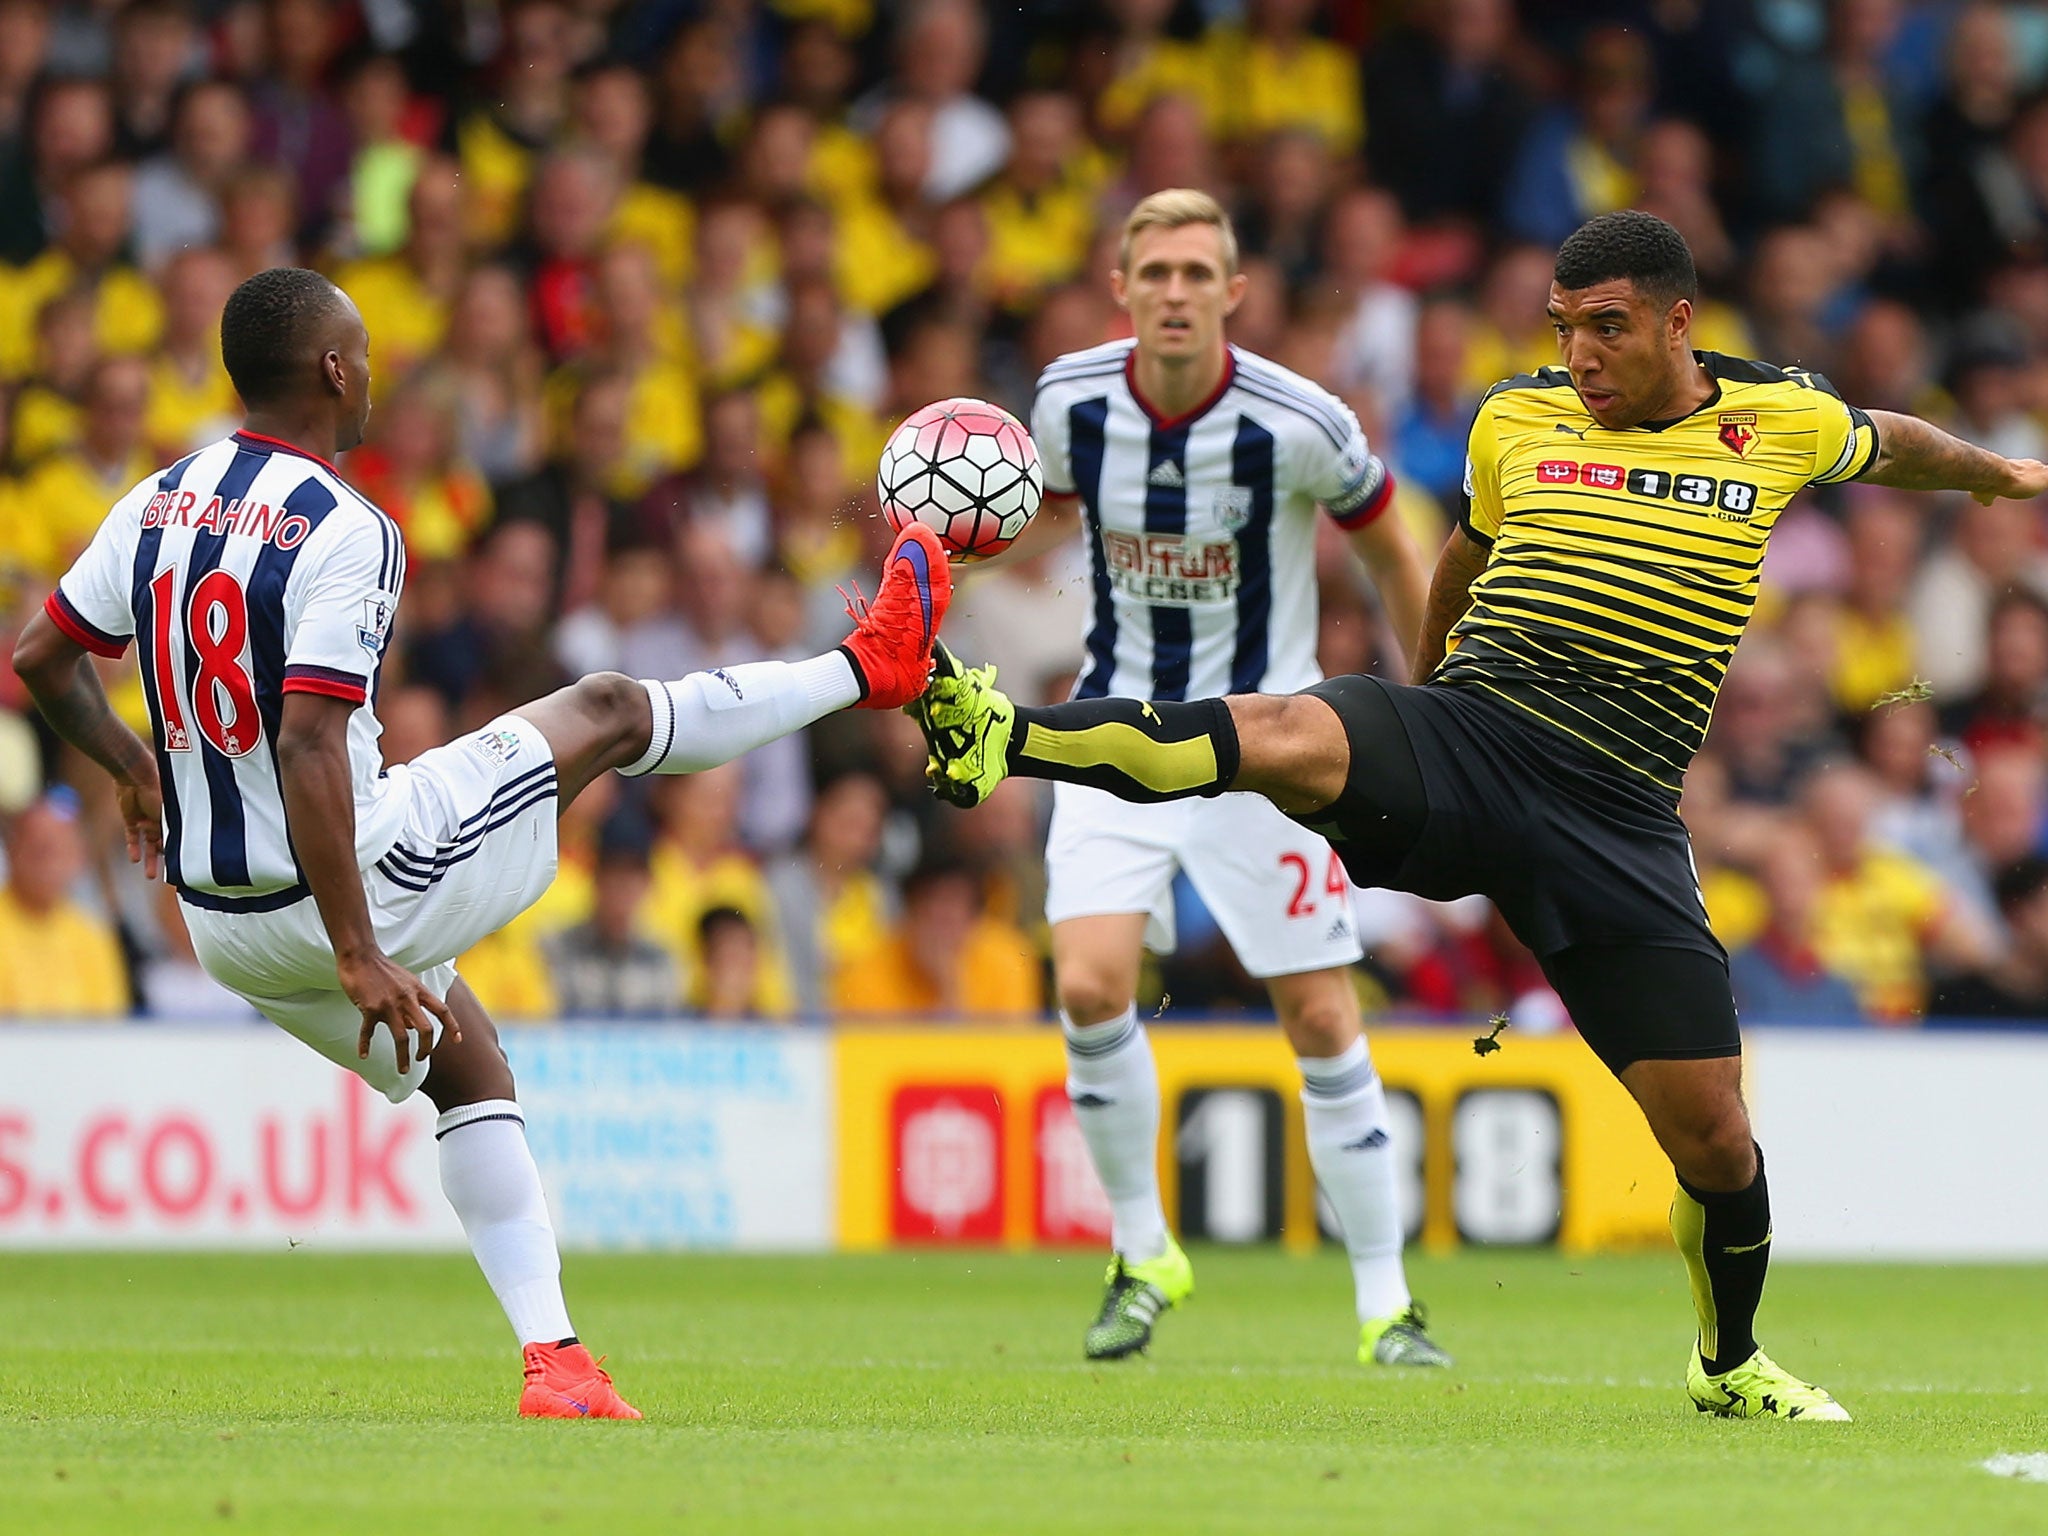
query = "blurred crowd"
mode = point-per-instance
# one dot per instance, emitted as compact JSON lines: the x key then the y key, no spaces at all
{"x":648,"y":282}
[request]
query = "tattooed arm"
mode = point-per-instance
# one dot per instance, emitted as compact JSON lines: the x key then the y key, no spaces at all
{"x":1914,"y":455}
{"x":1450,"y":594}
{"x":61,"y":680}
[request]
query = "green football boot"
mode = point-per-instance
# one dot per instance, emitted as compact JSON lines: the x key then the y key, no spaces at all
{"x":966,"y":723}
{"x":1137,"y":1294}
{"x":1400,"y":1338}
{"x":1759,"y":1388}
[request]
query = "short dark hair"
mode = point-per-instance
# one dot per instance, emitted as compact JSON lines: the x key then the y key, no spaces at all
{"x":269,"y":327}
{"x":1629,"y":244}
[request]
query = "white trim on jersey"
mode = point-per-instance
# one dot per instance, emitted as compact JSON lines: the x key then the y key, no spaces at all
{"x":247,"y":570}
{"x":1201,"y":529}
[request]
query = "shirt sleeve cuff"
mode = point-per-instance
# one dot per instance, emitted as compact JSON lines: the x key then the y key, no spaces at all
{"x":80,"y":629}
{"x":326,"y":681}
{"x":1367,"y":512}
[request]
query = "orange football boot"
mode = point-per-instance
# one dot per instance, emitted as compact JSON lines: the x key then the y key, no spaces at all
{"x":563,"y":1382}
{"x":891,"y":644}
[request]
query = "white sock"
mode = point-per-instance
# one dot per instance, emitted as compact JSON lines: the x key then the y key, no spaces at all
{"x":488,"y":1175}
{"x":712,"y":717}
{"x":1346,"y":1113}
{"x":1115,"y":1093}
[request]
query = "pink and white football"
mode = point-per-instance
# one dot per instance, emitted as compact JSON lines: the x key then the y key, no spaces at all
{"x":967,"y":470}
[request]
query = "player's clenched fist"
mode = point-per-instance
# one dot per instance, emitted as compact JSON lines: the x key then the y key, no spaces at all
{"x":389,"y":994}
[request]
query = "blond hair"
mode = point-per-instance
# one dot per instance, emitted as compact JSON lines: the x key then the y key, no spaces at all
{"x":1175,"y":208}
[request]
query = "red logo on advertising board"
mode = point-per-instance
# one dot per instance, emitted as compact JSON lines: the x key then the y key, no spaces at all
{"x":1556,"y":472}
{"x":1604,"y":477}
{"x":1071,"y":1207}
{"x":947,"y":1145}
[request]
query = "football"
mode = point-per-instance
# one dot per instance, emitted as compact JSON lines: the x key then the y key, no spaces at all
{"x":967,"y":470}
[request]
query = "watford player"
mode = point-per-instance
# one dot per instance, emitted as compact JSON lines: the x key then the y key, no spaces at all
{"x":1580,"y":622}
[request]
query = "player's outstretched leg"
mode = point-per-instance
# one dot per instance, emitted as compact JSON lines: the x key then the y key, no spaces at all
{"x":1344,"y":1110}
{"x":608,"y":721}
{"x":488,"y":1175}
{"x":1291,"y":748}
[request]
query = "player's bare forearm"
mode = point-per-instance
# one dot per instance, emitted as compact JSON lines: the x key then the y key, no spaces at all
{"x":1058,"y":519}
{"x":59,"y":676}
{"x":1916,"y":455}
{"x":320,"y":810}
{"x":1398,"y":572}
{"x":1450,"y":595}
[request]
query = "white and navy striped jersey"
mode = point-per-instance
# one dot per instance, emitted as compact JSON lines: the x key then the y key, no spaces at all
{"x":1201,"y":528}
{"x":244,"y":572}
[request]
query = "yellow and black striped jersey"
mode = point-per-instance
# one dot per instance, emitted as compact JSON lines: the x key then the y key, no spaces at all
{"x":1624,"y":563}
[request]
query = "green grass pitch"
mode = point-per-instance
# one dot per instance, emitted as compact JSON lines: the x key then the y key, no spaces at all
{"x":302,"y":1393}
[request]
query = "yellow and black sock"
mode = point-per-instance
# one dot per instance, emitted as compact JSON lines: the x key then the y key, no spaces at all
{"x":1725,"y":1239}
{"x":1134,"y":748}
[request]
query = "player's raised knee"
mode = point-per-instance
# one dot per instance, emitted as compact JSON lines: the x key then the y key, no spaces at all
{"x":612,"y":697}
{"x":1291,"y":748}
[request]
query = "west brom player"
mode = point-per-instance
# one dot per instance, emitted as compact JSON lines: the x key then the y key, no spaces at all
{"x":260,"y":591}
{"x":1195,"y":470}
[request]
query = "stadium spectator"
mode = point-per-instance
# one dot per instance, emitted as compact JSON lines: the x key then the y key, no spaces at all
{"x":828,"y":899}
{"x":64,"y":498}
{"x":179,"y":191}
{"x":46,"y":409}
{"x":191,"y":400}
{"x":726,"y":491}
{"x":1375,"y":349}
{"x":697,"y":864}
{"x":945,"y":957}
{"x":1880,"y":920}
{"x":606,"y":967}
{"x":1446,"y":111}
{"x":57,"y":961}
{"x":1837,"y":118}
{"x":496,"y":368}
{"x":70,"y":127}
{"x":1779,"y":976}
{"x":1873,"y":639}
{"x":1577,"y":161}
{"x":2016,"y":988}
{"x":1276,"y":75}
{"x":727,"y":988}
{"x":1994,"y":548}
{"x":87,"y":254}
{"x":940,"y":49}
{"x":411,"y":466}
{"x":299,"y":125}
{"x":2011,"y":708}
{"x":1429,"y":431}
{"x":406,"y":291}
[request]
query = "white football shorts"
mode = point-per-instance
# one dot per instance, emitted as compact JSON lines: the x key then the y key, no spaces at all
{"x":1277,"y":890}
{"x":477,"y":850}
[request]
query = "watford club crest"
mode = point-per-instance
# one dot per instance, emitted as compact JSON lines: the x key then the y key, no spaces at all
{"x":1738,"y":432}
